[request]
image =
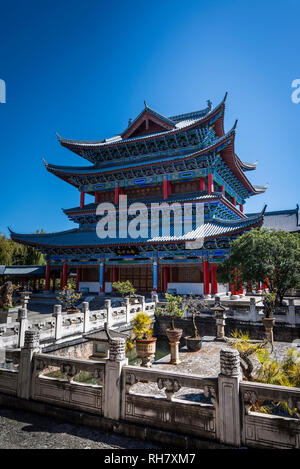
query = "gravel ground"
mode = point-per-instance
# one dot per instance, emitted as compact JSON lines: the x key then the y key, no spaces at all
{"x":24,"y":430}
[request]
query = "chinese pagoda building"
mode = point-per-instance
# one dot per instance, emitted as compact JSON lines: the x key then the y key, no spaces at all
{"x":187,"y":158}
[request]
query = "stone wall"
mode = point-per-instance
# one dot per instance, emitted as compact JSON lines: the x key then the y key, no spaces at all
{"x":223,"y":412}
{"x":207,"y":327}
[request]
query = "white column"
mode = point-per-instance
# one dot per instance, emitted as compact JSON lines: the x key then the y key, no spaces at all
{"x":113,"y":370}
{"x":107,"y":306}
{"x":292,"y":313}
{"x":127,"y":306}
{"x":31,"y":346}
{"x":229,"y":402}
{"x":23,"y":320}
{"x":86,"y":316}
{"x":58,"y":323}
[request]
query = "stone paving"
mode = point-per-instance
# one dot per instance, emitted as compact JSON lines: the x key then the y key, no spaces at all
{"x":24,"y":430}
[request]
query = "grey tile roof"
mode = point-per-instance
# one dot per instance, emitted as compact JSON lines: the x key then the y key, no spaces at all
{"x":84,"y":237}
{"x":287,"y":220}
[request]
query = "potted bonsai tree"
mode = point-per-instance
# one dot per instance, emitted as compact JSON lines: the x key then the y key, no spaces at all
{"x":174,"y":309}
{"x":144,"y":342}
{"x":269,"y":301}
{"x":124,"y":289}
{"x":69,"y":298}
{"x":194,"y":342}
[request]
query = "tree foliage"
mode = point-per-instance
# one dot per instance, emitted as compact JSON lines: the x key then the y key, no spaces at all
{"x":174,"y":308}
{"x":12,"y":253}
{"x":124,"y":288}
{"x":270,"y":257}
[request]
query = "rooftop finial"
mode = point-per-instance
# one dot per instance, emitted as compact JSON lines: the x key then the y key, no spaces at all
{"x":209,"y":104}
{"x":129,"y":121}
{"x":145,"y":104}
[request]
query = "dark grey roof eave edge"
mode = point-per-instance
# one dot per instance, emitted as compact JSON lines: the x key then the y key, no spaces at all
{"x":99,"y":142}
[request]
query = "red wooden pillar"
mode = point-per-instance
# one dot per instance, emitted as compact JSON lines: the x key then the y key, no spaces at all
{"x":241,"y":290}
{"x":165,"y":277}
{"x":249,"y":287}
{"x":82,"y":194}
{"x":234,"y":200}
{"x":114,"y":274}
{"x":165,"y":189}
{"x":222,"y":188}
{"x":202,"y":184}
{"x":169,"y":188}
{"x":117,"y":195}
{"x":210,"y":184}
{"x":214,"y":283}
{"x":241,"y":208}
{"x":205,"y":278}
{"x":47,"y":283}
{"x":64,"y":275}
{"x":78,"y":277}
{"x":233,"y":291}
{"x":96,"y":197}
{"x":53,"y":282}
{"x":121,"y":191}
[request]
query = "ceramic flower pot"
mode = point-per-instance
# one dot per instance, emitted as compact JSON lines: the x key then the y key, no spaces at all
{"x":269,"y":325}
{"x":145,"y":349}
{"x":174,"y":335}
{"x":193,"y":343}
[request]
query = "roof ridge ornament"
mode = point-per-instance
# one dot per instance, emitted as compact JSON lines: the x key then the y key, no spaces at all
{"x":146,"y":106}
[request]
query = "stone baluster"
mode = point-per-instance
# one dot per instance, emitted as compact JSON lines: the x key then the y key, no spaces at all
{"x":23,"y":320}
{"x":229,"y":403}
{"x":86,"y":316}
{"x":292,"y":312}
{"x":127,"y":306}
{"x":58,"y":323}
{"x":143,"y":303}
{"x":154,"y":298}
{"x":113,"y":370}
{"x":252,"y":310}
{"x":24,"y":299}
{"x":31,"y":346}
{"x":107,"y":306}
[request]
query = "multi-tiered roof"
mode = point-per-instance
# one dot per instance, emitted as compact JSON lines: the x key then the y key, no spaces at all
{"x":151,"y":150}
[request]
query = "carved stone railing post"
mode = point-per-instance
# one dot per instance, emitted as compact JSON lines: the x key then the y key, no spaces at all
{"x":292,"y":312}
{"x":252,"y":311}
{"x":143,"y":303}
{"x":23,"y":320}
{"x":31,"y":346}
{"x":107,"y":306}
{"x":229,"y":402}
{"x":112,"y":384}
{"x":155,"y":298}
{"x":58,"y":323}
{"x":24,"y":299}
{"x":86,"y":316}
{"x":127,"y":306}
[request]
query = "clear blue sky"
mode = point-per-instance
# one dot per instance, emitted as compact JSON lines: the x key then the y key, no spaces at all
{"x":82,"y":68}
